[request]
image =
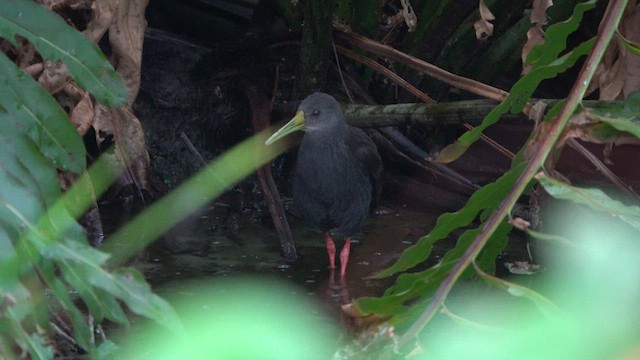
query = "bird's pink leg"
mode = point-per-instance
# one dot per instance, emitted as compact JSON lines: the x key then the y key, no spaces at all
{"x":331,"y":250}
{"x":344,"y":257}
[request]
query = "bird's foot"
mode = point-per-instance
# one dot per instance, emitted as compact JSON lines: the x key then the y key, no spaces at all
{"x":331,"y":250}
{"x":344,"y":257}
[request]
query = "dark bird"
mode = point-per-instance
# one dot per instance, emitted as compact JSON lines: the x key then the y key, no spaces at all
{"x":337,"y":173}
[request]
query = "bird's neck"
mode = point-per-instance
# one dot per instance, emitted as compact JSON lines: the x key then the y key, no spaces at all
{"x":337,"y":132}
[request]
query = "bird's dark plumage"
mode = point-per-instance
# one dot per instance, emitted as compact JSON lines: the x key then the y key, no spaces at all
{"x":336,"y":178}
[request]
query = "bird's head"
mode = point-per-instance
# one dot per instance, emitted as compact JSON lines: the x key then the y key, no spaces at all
{"x":318,"y":113}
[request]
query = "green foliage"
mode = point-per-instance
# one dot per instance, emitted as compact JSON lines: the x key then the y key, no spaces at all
{"x":31,"y":111}
{"x":42,"y":247}
{"x":415,"y":297}
{"x":421,"y":285}
{"x":239,"y":318}
{"x":55,"y":40}
{"x":594,"y":198}
{"x":546,"y":68}
{"x":623,"y":116}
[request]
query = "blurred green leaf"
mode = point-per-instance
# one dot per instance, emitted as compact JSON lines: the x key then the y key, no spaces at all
{"x":33,"y":343}
{"x":593,"y":198}
{"x":55,"y":40}
{"x":130,"y":287}
{"x":226,"y":170}
{"x":239,"y":318}
{"x":546,"y":306}
{"x":81,"y":331}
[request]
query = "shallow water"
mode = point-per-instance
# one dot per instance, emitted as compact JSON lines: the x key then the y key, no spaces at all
{"x":202,"y":248}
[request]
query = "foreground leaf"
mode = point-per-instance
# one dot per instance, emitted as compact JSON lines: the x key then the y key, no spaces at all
{"x":28,"y":109}
{"x":593,"y":198}
{"x":55,"y":40}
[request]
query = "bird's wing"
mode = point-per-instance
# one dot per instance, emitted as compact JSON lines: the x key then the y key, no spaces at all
{"x":367,"y":159}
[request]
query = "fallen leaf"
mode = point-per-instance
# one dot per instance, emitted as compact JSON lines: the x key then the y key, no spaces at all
{"x":82,"y":114}
{"x":520,"y":223}
{"x":539,"y":11}
{"x":409,"y":15}
{"x":618,"y":75}
{"x":485,"y":13}
{"x":484,"y":29}
{"x":54,"y":76}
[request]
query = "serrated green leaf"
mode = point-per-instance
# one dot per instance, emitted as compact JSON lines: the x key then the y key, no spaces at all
{"x":556,"y":36}
{"x":77,"y":261}
{"x":593,"y":198}
{"x":29,"y":109}
{"x":75,"y":278}
{"x":545,"y":67}
{"x":55,"y":40}
{"x":488,"y":197}
{"x":417,"y":288}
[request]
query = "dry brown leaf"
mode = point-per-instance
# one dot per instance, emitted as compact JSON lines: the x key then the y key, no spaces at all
{"x":539,"y":11}
{"x":125,"y":21}
{"x":484,"y":29}
{"x":82,"y":114}
{"x":131,"y":153}
{"x":535,"y":35}
{"x":485,"y":13}
{"x":126,"y":36}
{"x":54,"y":77}
{"x":618,"y":75}
{"x":102,"y":13}
{"x":520,"y":223}
{"x":409,"y":15}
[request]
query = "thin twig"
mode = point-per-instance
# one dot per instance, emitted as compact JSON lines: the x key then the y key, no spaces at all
{"x":494,"y":144}
{"x":192,"y":148}
{"x":424,"y":67}
{"x":601,"y":167}
{"x":387,"y":73}
{"x":344,"y":85}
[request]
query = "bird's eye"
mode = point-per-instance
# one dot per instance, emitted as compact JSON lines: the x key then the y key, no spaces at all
{"x":315,"y":113}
